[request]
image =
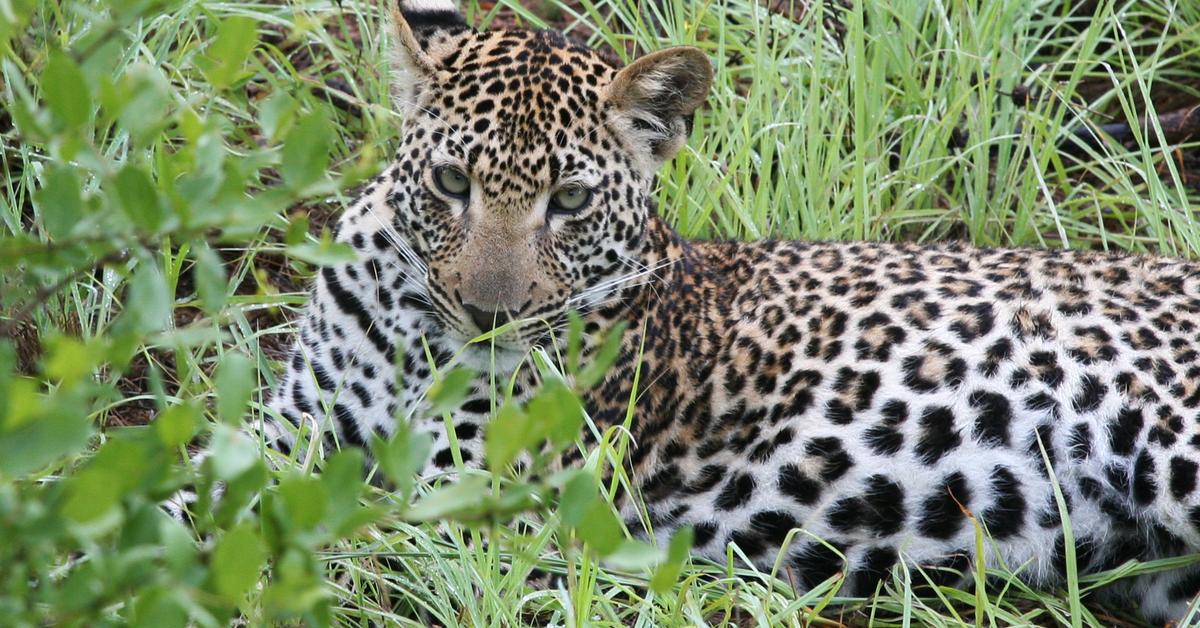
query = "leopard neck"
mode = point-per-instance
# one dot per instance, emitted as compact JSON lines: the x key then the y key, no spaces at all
{"x":672,"y":334}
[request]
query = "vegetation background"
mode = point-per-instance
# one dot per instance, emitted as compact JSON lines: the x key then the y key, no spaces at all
{"x":168,"y":173}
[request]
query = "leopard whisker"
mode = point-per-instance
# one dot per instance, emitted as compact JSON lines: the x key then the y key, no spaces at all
{"x":628,"y":280}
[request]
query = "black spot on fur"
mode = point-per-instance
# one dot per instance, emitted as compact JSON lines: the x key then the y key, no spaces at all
{"x":884,"y":439}
{"x":1145,"y":489}
{"x":772,"y":526}
{"x":349,"y":304}
{"x":1183,"y":477}
{"x":736,"y":493}
{"x":837,"y":461}
{"x":938,"y":436}
{"x":702,"y":533}
{"x":1122,"y":434}
{"x":838,"y":413}
{"x":444,"y":458}
{"x":1091,"y":395}
{"x":1006,"y":516}
{"x":883,"y":510}
{"x":1186,"y":587}
{"x":665,"y":481}
{"x":796,"y":484}
{"x":997,"y":354}
{"x":994,"y":414}
{"x":1079,"y":442}
{"x":845,"y":514}
{"x":941,"y":516}
{"x":478,"y":406}
{"x":466,"y":431}
{"x":815,"y":563}
{"x":877,"y":563}
{"x":708,"y":477}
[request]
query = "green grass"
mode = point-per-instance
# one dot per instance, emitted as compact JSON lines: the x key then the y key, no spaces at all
{"x":893,"y":120}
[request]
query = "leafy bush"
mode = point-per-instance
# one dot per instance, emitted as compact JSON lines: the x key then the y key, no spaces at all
{"x":125,"y":178}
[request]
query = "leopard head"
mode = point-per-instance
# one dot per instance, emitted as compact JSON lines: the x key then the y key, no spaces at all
{"x":526,"y":164}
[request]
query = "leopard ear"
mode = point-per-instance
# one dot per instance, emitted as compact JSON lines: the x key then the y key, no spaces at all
{"x":655,"y":96}
{"x":418,"y":29}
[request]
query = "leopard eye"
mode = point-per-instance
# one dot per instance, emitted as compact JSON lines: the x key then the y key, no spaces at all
{"x":452,"y":181}
{"x":570,"y":199}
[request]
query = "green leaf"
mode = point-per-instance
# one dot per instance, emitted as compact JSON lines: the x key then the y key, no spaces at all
{"x":157,"y":606}
{"x":34,"y":435}
{"x":518,"y":498}
{"x":240,"y":491}
{"x":448,"y":392}
{"x":463,"y":500}
{"x":297,"y":230}
{"x":346,"y":522}
{"x":123,"y":464}
{"x":306,"y":153}
{"x":582,"y":508}
{"x":238,"y":561}
{"x":209,"y":277}
{"x":634,"y":555}
{"x":177,"y":424}
{"x":507,"y":435}
{"x":92,"y":495}
{"x":276,"y":114}
{"x":343,"y":478}
{"x":59,"y":201}
{"x":178,"y":549}
{"x":8,"y":364}
{"x":235,"y":382}
{"x":600,"y":527}
{"x":577,"y":493}
{"x":226,"y":56}
{"x":295,"y":588}
{"x":557,"y":413}
{"x":667,"y":574}
{"x":402,"y":456}
{"x":604,"y":358}
{"x":574,"y":341}
{"x":139,"y":200}
{"x":304,"y":500}
{"x":142,"y":101}
{"x":147,"y":304}
{"x":65,"y":90}
{"x":69,"y":360}
{"x":130,"y":9}
{"x":21,"y":403}
{"x":13,"y":16}
{"x":242,"y":216}
{"x":140,"y":527}
{"x":324,"y":252}
{"x":233,"y":452}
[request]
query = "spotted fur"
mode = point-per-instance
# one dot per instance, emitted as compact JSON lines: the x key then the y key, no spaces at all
{"x":883,"y":397}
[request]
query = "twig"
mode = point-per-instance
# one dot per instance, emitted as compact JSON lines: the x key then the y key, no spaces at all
{"x":1177,"y":126}
{"x":25,"y":312}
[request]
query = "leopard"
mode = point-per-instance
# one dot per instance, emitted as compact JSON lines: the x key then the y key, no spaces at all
{"x":892,"y":401}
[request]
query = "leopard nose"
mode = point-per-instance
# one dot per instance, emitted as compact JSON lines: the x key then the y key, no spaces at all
{"x":486,"y":320}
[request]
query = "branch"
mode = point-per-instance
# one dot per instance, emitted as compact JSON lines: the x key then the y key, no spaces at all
{"x":22,"y":314}
{"x":1178,"y":126}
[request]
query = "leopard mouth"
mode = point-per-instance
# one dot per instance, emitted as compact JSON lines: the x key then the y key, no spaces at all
{"x":508,"y":337}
